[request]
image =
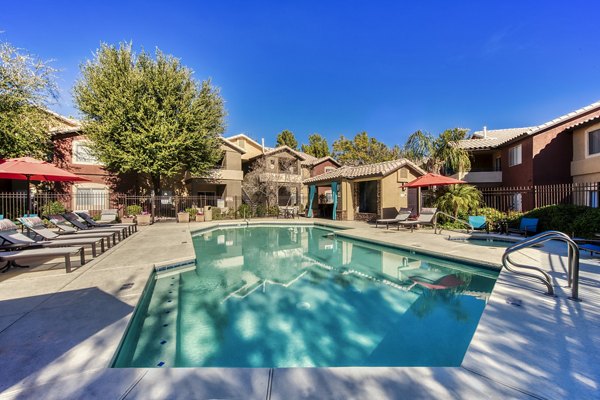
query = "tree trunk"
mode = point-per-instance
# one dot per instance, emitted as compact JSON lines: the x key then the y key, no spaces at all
{"x":156,"y":184}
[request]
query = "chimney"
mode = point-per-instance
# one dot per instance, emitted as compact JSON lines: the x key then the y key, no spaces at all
{"x":485,"y":132}
{"x":262,"y":140}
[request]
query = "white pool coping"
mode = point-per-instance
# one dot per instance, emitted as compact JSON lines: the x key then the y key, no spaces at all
{"x":59,"y":332}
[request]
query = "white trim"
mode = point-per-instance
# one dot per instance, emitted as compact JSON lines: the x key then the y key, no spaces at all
{"x":77,"y":143}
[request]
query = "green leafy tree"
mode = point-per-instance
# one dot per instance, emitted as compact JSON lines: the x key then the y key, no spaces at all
{"x":27,"y":86}
{"x":459,"y":199}
{"x":287,"y":138}
{"x":148,"y":115}
{"x":317,"y":146}
{"x":363,"y":150}
{"x":437,"y":154}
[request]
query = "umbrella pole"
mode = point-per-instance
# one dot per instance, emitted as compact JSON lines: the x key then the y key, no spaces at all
{"x":28,"y":194}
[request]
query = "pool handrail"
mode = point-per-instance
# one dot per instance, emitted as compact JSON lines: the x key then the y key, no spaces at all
{"x":469,"y":226}
{"x":573,"y":256}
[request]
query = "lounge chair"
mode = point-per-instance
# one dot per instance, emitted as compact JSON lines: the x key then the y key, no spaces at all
{"x":479,"y":222}
{"x":36,"y":225}
{"x":90,"y":221}
{"x":426,"y":218}
{"x":108,"y":216}
{"x":75,"y":227}
{"x":527,"y":226}
{"x":589,"y":245}
{"x":13,"y":256}
{"x":9,"y":234}
{"x":402,"y":216}
{"x":81,"y":225}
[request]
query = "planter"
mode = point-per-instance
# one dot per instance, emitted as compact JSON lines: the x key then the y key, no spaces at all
{"x":128,"y":220}
{"x":183,"y":217}
{"x":199,"y":217}
{"x":144,"y":219}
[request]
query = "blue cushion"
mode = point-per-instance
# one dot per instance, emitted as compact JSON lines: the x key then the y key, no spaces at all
{"x":529,"y":224}
{"x":477,"y":221}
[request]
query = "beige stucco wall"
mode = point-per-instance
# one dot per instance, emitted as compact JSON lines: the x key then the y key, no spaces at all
{"x":232,"y":159}
{"x":393,"y":197}
{"x":584,"y":168}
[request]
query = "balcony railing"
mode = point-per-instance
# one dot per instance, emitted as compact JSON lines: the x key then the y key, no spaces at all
{"x":480,"y":176}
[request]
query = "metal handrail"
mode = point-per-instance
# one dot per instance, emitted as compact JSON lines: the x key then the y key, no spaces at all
{"x":573,"y":255}
{"x":470,"y":227}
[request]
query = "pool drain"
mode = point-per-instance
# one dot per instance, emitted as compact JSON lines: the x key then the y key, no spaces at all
{"x":303,"y":305}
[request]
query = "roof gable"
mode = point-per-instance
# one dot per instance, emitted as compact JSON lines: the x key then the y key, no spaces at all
{"x":361,"y":171}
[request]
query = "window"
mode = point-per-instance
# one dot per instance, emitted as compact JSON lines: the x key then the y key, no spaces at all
{"x":241,"y":143}
{"x":91,"y":198}
{"x":328,"y":197}
{"x":207,"y":199}
{"x":514,"y":156}
{"x":82,"y":153}
{"x":329,"y":169}
{"x":498,"y":164}
{"x":594,"y":142}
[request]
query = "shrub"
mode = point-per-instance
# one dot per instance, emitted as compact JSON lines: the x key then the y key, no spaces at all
{"x":261,"y":210}
{"x":134,"y":209}
{"x":192,"y":211}
{"x":570,"y":219}
{"x":245,"y":211}
{"x":54,"y":207}
{"x":273,"y":210}
{"x":216,"y":213}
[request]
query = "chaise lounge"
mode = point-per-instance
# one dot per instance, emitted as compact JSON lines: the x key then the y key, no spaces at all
{"x":131,"y":228}
{"x":403,"y":215}
{"x":36,"y":225}
{"x":13,"y":256}
{"x":9,"y":234}
{"x":426,"y":218}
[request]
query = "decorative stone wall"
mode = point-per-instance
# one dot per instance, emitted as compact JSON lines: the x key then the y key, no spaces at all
{"x":365,"y":217}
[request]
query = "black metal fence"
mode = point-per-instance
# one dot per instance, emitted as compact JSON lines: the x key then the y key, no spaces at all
{"x":14,"y":205}
{"x":526,"y":198}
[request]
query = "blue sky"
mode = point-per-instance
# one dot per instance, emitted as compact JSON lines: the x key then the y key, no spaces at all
{"x":388,"y":68}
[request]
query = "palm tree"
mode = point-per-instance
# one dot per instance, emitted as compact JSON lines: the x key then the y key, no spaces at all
{"x":459,"y":199}
{"x":438,"y":153}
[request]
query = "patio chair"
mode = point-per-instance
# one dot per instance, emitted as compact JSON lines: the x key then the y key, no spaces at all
{"x":10,"y":257}
{"x":80,"y":224}
{"x":426,"y":218}
{"x":36,"y":225}
{"x":90,"y":221}
{"x":402,"y":216}
{"x":9,"y":234}
{"x":72,"y":225}
{"x":108,"y":216}
{"x":589,"y":245}
{"x":479,"y":222}
{"x":527,"y":226}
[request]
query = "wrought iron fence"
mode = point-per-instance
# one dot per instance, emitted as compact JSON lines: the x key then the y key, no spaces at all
{"x":526,"y":198}
{"x":14,"y":204}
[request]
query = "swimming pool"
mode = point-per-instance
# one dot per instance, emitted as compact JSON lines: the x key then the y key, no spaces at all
{"x":298,"y":296}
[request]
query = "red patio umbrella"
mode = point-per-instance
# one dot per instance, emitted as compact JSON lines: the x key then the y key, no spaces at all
{"x":31,"y":169}
{"x":431,"y":179}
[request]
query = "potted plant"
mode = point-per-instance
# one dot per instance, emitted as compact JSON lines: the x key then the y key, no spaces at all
{"x":131,"y":212}
{"x":183,"y":216}
{"x":144,"y":218}
{"x":195,"y":214}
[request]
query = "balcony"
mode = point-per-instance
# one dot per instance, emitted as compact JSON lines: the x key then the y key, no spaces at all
{"x":219,"y":174}
{"x":280,"y":178}
{"x":480,"y":176}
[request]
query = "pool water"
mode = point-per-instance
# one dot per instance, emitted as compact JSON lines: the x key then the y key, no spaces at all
{"x":299,"y":296}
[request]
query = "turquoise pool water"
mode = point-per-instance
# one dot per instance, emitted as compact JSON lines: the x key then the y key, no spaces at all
{"x":302,"y":297}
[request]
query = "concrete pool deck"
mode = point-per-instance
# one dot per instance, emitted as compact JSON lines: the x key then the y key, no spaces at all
{"x":59,"y":332}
